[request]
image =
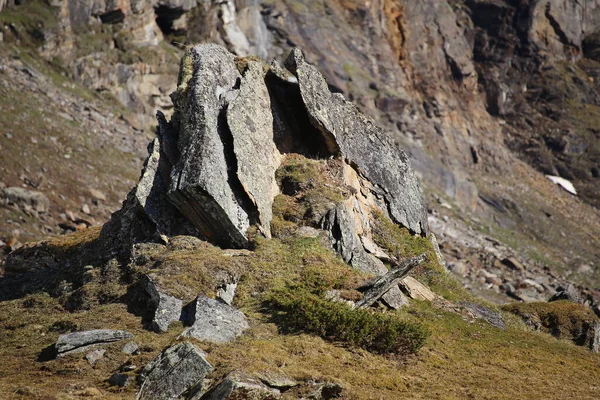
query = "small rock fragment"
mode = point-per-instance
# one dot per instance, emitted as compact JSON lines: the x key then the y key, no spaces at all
{"x":131,"y":348}
{"x":95,"y":355}
{"x":168,"y":308}
{"x":97,"y":195}
{"x":25,"y":198}
{"x":226,"y":292}
{"x":416,"y":290}
{"x":395,"y":299}
{"x":513,"y":263}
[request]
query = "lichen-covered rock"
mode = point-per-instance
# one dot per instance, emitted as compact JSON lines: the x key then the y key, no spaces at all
{"x":215,"y":322}
{"x":238,"y":385}
{"x":395,"y":299}
{"x":203,"y":182}
{"x":78,"y":342}
{"x":362,"y":143}
{"x":178,"y":369}
{"x":341,"y":226}
{"x":251,"y":123}
{"x":168,"y":308}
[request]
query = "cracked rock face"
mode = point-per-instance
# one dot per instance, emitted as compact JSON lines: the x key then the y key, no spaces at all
{"x":178,"y":369}
{"x":214,"y":163}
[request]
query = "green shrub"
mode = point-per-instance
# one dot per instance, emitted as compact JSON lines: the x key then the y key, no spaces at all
{"x":372,"y":331}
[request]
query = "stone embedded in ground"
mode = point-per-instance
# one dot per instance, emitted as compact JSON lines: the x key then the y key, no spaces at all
{"x":492,"y":317}
{"x":167,"y":308}
{"x":78,"y":342}
{"x":238,"y":385}
{"x":416,"y":290}
{"x":178,"y":369}
{"x":395,"y":299}
{"x":93,"y":356}
{"x":363,"y":144}
{"x":25,"y":198}
{"x":204,"y":185}
{"x":120,"y":379}
{"x":277,"y":380}
{"x":341,"y":226}
{"x":226,"y":292}
{"x":131,"y":348}
{"x":250,"y":121}
{"x":214,"y":321}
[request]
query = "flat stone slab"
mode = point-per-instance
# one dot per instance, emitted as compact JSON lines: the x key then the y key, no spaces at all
{"x":214,"y":321}
{"x":78,"y":342}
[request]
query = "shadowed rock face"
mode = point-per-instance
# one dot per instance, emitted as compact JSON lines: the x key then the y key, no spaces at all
{"x":363,"y":144}
{"x":215,"y":161}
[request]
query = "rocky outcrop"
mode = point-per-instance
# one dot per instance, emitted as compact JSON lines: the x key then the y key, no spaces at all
{"x":178,"y":369}
{"x":204,"y":185}
{"x":227,"y":118}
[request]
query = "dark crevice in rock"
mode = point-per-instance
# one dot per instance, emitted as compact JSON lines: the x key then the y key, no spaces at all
{"x":242,"y":197}
{"x":113,"y":17}
{"x":292,"y":128}
{"x":165,"y":18}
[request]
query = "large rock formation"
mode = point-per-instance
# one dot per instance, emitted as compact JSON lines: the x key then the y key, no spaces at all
{"x":219,"y":153}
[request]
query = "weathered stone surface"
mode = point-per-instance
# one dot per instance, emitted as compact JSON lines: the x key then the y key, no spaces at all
{"x":77,"y":342}
{"x":226,"y":292}
{"x":251,"y":123}
{"x":150,"y":192}
{"x":215,"y":322}
{"x":594,"y":337}
{"x":131,"y":348}
{"x":492,"y":317}
{"x":395,"y":299}
{"x":203,"y":182}
{"x":178,"y":369}
{"x":416,"y":290}
{"x":362,"y":143}
{"x":93,"y":356}
{"x":168,"y":308}
{"x":238,"y":385}
{"x":342,"y":230}
{"x":25,"y":198}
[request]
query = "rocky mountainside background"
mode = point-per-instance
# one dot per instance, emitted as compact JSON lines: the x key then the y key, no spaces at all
{"x":487,"y":98}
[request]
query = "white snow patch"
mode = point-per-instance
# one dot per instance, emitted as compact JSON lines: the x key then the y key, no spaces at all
{"x":562,"y":182}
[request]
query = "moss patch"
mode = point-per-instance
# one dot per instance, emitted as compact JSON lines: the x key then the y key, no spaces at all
{"x":309,"y":189}
{"x":399,"y":242}
{"x":562,"y":319}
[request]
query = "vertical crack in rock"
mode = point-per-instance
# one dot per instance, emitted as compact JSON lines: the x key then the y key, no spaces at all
{"x":251,"y":125}
{"x":201,"y":180}
{"x":363,"y":144}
